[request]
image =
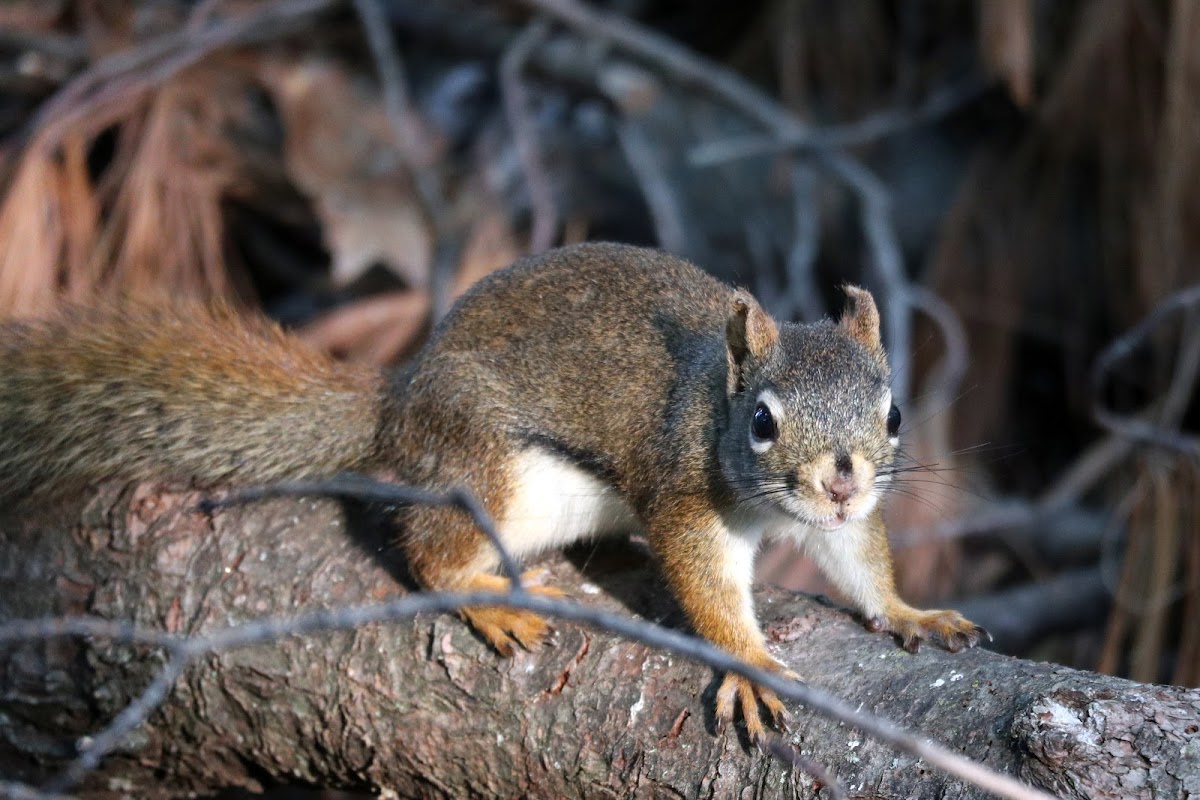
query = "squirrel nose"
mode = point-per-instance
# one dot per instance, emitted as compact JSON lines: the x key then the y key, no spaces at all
{"x":841,"y":488}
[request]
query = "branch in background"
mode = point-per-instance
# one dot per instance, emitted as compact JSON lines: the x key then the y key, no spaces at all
{"x":880,"y":125}
{"x":942,"y":386}
{"x":742,"y":95}
{"x":802,"y":257}
{"x":113,"y":79}
{"x":1140,"y":429}
{"x":1023,"y":616}
{"x":660,"y":196}
{"x":11,"y":790}
{"x":525,"y":135}
{"x":414,"y":142}
{"x":1067,"y":490}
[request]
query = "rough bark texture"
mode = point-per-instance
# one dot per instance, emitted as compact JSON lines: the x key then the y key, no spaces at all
{"x":422,"y":708}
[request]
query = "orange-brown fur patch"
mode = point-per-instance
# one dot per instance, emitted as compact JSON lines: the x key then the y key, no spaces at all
{"x":176,"y":392}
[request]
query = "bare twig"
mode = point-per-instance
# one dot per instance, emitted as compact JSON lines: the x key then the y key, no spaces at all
{"x":1180,"y":392}
{"x":360,"y":487}
{"x":888,"y":260}
{"x":806,"y":221}
{"x":877,"y":126}
{"x":1141,"y":429}
{"x":943,"y":385}
{"x":789,"y":753}
{"x":11,"y":790}
{"x":149,"y":64}
{"x":742,"y":95}
{"x":1084,"y":473}
{"x":393,"y":78}
{"x":660,"y":196}
{"x":95,"y":748}
{"x":413,"y":142}
{"x":525,"y":135}
{"x":1024,"y":615}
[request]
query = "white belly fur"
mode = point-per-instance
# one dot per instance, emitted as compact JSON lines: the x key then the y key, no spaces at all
{"x":554,"y":503}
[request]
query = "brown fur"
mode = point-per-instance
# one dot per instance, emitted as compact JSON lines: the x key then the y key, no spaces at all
{"x":183,"y":392}
{"x":633,"y":367}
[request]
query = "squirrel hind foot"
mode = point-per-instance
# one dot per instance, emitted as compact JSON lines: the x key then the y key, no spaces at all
{"x":506,"y":628}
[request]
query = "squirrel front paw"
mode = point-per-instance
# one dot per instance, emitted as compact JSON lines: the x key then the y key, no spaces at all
{"x":736,"y":691}
{"x":948,"y":628}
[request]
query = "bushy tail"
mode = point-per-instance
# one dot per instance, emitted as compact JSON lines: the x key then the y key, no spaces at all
{"x":198,"y":393}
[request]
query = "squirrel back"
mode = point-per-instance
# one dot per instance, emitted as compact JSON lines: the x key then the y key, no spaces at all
{"x":176,"y":392}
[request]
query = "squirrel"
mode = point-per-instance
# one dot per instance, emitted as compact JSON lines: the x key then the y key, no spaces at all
{"x":592,"y":390}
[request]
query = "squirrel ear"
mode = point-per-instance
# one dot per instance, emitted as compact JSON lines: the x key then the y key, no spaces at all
{"x":750,"y":334}
{"x":860,"y":320}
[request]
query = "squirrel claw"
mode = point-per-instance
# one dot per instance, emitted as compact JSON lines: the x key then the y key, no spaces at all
{"x":736,"y":691}
{"x":505,"y":628}
{"x":950,"y":629}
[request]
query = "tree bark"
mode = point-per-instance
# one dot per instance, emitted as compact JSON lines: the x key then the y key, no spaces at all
{"x":423,"y":708}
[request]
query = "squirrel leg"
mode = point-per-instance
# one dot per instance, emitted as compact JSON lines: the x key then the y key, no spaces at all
{"x":504,"y":627}
{"x":858,"y":561}
{"x":710,"y":569}
{"x":446,"y":552}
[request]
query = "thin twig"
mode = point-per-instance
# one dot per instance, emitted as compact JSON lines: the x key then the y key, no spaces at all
{"x":739,"y":93}
{"x":879,"y":125}
{"x":414,"y":144}
{"x":665,"y":209}
{"x":875,"y":214}
{"x":153,"y":62}
{"x":393,"y":79}
{"x":361,"y":487}
{"x":110,"y":738}
{"x":11,"y":790}
{"x":943,"y":385}
{"x":525,"y":135}
{"x":802,"y":257}
{"x":1139,"y":428}
{"x":1085,"y":471}
{"x":790,"y":753}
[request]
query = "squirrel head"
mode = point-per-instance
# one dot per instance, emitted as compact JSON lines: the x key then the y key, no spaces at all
{"x":811,"y":427}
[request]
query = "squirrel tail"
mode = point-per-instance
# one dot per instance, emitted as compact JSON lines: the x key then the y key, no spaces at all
{"x":182,"y":392}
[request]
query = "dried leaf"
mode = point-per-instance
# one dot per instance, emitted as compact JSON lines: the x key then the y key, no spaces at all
{"x":378,"y":330}
{"x":1006,"y":41}
{"x":341,"y":150}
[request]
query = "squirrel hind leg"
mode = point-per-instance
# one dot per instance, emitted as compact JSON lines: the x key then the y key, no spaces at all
{"x":445,"y":552}
{"x":505,"y":628}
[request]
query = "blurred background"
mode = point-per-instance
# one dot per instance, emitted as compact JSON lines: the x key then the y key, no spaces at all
{"x":1018,"y":182}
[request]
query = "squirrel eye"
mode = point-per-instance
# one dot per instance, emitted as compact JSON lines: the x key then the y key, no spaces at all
{"x":893,"y":420}
{"x":762,"y":424}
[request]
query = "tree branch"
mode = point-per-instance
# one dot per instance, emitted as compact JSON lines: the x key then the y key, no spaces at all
{"x":421,"y":707}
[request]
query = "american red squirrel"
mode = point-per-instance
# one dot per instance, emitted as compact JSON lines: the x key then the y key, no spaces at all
{"x":592,"y":390}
